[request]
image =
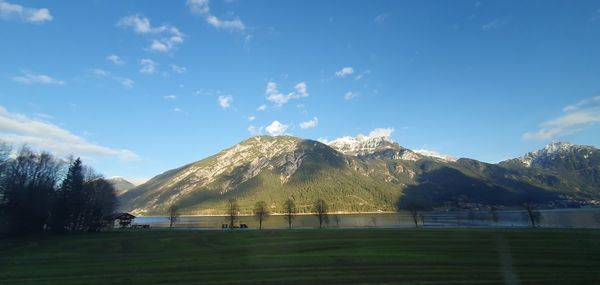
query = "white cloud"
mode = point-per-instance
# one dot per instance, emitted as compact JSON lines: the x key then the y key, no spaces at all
{"x":381,"y":133}
{"x":261,"y":107}
{"x":31,"y":78}
{"x":177,"y":110}
{"x":276,"y":128}
{"x":279,"y":98}
{"x":310,"y":123}
{"x":225,"y":101}
{"x":19,"y":129}
{"x":575,"y":117}
{"x":255,"y":130}
{"x":9,"y":11}
{"x":170,"y":97}
{"x":148,"y":66}
{"x":178,"y":69}
{"x":171,"y":36}
{"x":202,"y":8}
{"x":344,"y":71}
{"x":251,"y":118}
{"x":115,"y":59}
{"x":126,"y":82}
{"x":351,"y":95}
{"x":100,"y":72}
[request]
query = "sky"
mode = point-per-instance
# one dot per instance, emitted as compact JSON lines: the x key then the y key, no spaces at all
{"x":136,"y":88}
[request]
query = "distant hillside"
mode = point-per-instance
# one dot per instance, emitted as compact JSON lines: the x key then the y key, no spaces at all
{"x":121,"y":185}
{"x":362,"y":174}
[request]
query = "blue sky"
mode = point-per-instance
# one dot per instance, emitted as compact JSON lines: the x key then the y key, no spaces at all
{"x":139,"y":88}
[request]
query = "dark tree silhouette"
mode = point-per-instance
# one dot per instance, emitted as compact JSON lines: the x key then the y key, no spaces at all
{"x":289,"y":208}
{"x":261,"y":212}
{"x":173,"y":215}
{"x":532,"y":213}
{"x":414,"y":205}
{"x":233,"y":210}
{"x":320,"y":209}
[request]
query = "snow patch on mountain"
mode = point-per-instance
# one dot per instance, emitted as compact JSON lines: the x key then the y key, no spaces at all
{"x":435,"y":154}
{"x":551,"y":151}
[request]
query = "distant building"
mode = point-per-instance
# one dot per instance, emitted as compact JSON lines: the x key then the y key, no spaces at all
{"x":122,"y":220}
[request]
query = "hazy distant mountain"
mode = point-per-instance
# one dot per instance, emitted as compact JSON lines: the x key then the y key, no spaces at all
{"x":364,"y":174}
{"x":121,"y":185}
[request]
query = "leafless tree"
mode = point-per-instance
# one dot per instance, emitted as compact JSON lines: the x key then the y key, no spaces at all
{"x":532,"y":213}
{"x":261,"y":212}
{"x":173,"y":215}
{"x":233,"y":210}
{"x":320,"y":209}
{"x":289,"y":208}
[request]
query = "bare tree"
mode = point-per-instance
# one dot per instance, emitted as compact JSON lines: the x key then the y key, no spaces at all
{"x":289,"y":208}
{"x":532,"y":212}
{"x":414,"y":205}
{"x":320,"y":209}
{"x":233,"y":210}
{"x":173,"y":215}
{"x":261,"y":212}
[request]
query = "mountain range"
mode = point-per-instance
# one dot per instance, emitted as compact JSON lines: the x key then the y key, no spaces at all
{"x":367,"y":174}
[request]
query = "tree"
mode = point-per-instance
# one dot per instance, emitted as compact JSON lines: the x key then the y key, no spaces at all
{"x":233,"y":210}
{"x":99,"y":201}
{"x":532,"y":213}
{"x":414,"y":205}
{"x":320,"y":209}
{"x":27,"y":184}
{"x":69,"y":200}
{"x":261,"y":212}
{"x":289,"y":208}
{"x":173,"y":215}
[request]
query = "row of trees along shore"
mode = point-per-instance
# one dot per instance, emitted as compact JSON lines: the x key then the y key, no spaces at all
{"x":42,"y":193}
{"x":415,"y":209}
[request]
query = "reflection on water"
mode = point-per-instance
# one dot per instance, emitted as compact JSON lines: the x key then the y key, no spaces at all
{"x":578,"y":218}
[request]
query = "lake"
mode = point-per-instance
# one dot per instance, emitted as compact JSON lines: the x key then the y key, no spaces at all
{"x":556,"y":218}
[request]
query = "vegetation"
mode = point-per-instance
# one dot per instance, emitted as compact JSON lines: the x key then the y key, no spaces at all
{"x":261,"y":212}
{"x":289,"y":209}
{"x":371,"y":256}
{"x":173,"y":215}
{"x":233,"y":210}
{"x":320,"y":209}
{"x":31,"y":202}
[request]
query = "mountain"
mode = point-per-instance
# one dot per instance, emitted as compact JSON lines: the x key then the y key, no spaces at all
{"x":121,"y":185}
{"x":364,"y":174}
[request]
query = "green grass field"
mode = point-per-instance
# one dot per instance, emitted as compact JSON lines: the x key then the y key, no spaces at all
{"x":369,"y":256}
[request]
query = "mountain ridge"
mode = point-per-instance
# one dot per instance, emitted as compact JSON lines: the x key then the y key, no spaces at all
{"x":361,"y":174}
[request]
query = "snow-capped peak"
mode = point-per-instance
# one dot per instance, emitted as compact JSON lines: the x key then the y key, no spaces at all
{"x":551,"y":150}
{"x":360,"y":144}
{"x":435,"y":154}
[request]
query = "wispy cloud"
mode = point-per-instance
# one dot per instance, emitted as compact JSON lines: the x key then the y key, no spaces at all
{"x":202,"y":8}
{"x":362,"y":74}
{"x":276,"y":128}
{"x":225,"y":101}
{"x":21,"y":129}
{"x":9,"y":11}
{"x":261,"y":107}
{"x":170,"y":97}
{"x":310,"y":123}
{"x":148,"y":66}
{"x":279,"y":98}
{"x":494,"y":24}
{"x":251,"y":118}
{"x":126,"y":82}
{"x":351,"y":95}
{"x":32,"y":78}
{"x":574,"y":119}
{"x":379,"y":19}
{"x":178,"y":69}
{"x":115,"y":59}
{"x":344,"y":71}
{"x":166,"y":38}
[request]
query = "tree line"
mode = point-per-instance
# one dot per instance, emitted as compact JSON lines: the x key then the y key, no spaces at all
{"x":42,"y":193}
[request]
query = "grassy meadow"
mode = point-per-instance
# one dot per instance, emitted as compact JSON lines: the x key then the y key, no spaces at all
{"x":361,"y":256}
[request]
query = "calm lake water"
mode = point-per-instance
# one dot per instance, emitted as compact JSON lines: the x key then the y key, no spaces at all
{"x":559,"y":218}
